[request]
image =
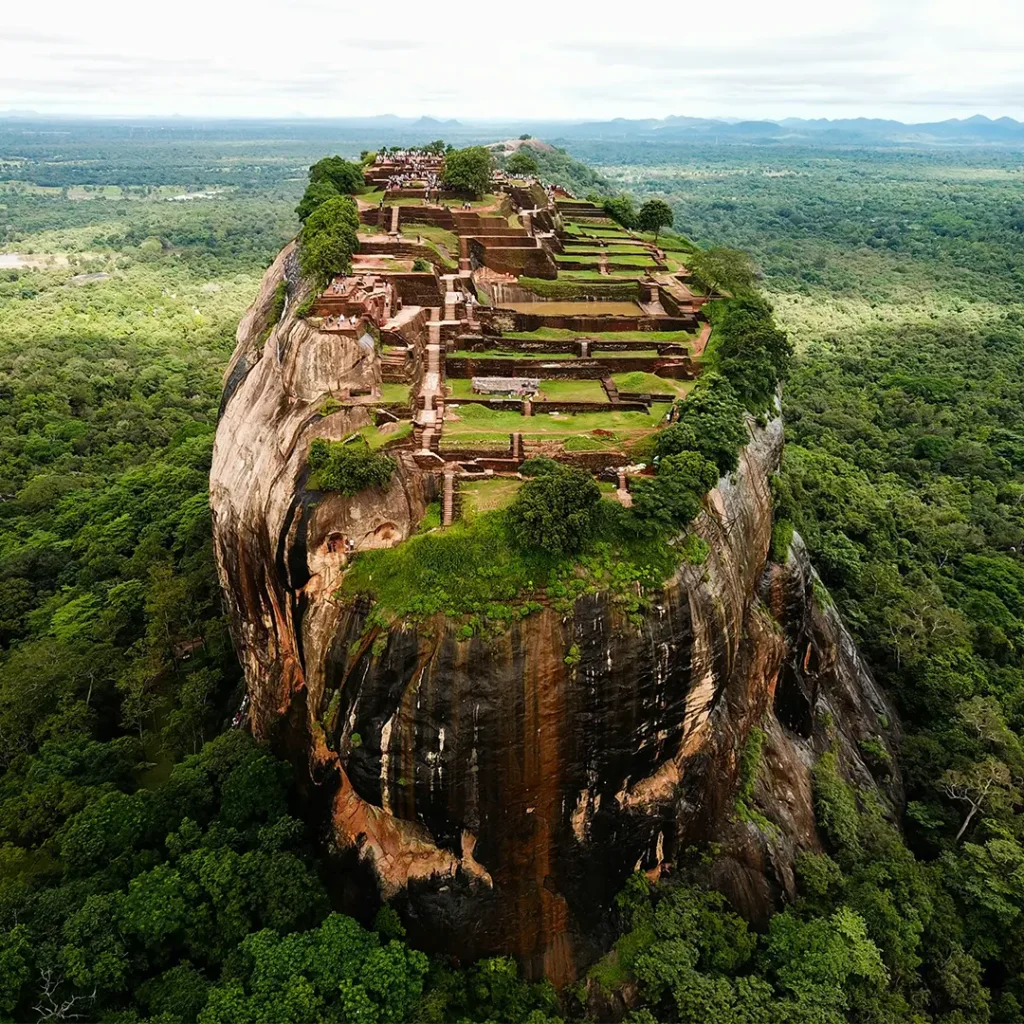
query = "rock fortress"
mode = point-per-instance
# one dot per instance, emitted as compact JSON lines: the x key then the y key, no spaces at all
{"x":497,"y":777}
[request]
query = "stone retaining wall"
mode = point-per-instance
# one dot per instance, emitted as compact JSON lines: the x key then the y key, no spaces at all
{"x":498,"y":320}
{"x":531,"y":262}
{"x":417,"y":288}
{"x":540,"y":408}
{"x":463,"y":367}
{"x":500,"y":404}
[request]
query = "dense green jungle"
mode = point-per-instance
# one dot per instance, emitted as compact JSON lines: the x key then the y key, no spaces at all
{"x":153,"y":862}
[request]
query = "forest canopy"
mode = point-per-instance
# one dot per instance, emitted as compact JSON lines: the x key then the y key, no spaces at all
{"x":155,"y":866}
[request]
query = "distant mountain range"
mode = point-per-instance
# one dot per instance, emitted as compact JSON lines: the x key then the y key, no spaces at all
{"x":971,"y":131}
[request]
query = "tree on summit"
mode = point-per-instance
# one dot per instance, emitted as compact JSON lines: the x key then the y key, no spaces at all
{"x":654,"y":215}
{"x":317,"y":193}
{"x":344,"y":175}
{"x":329,"y":239}
{"x":330,"y":177}
{"x":555,"y":509}
{"x":720,"y":267}
{"x":469,"y":169}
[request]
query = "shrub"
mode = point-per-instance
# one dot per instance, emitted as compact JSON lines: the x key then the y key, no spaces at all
{"x":750,"y":350}
{"x":280,"y":300}
{"x":673,"y":498}
{"x":420,"y":265}
{"x":720,"y":267}
{"x":329,"y":239}
{"x":710,"y":422}
{"x":782,"y":537}
{"x":538,"y":465}
{"x":554,"y":510}
{"x":348,"y":468}
{"x":620,"y":208}
{"x":750,"y":759}
{"x":835,"y":805}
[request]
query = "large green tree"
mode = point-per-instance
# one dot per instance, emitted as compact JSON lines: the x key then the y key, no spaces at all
{"x":555,"y":510}
{"x":469,"y":169}
{"x":521,"y":162}
{"x":654,"y":215}
{"x":721,"y":268}
{"x":329,"y":239}
{"x":344,"y":175}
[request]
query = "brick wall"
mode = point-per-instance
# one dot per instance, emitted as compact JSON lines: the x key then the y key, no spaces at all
{"x":465,"y":366}
{"x":418,"y":289}
{"x":507,"y":260}
{"x":510,"y":320}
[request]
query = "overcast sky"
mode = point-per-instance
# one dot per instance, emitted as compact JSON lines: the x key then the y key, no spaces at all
{"x":915,"y":60}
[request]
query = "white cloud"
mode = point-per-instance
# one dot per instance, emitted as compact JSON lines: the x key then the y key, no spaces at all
{"x":533,"y":59}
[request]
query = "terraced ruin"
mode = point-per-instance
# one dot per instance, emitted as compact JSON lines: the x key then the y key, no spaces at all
{"x":539,"y":327}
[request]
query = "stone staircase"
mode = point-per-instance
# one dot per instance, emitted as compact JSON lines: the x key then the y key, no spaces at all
{"x":428,"y":419}
{"x":450,"y":504}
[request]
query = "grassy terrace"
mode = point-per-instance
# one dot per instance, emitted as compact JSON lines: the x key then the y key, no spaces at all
{"x":596,"y":230}
{"x":494,"y":425}
{"x":572,"y":391}
{"x":651,"y":384}
{"x":487,"y":495}
{"x":592,"y":252}
{"x":595,"y":275}
{"x":474,"y":570}
{"x":455,"y":204}
{"x":377,"y":438}
{"x":394,"y":393}
{"x":639,"y":353}
{"x":432,"y":233}
{"x":497,"y":353}
{"x":561,"y":334}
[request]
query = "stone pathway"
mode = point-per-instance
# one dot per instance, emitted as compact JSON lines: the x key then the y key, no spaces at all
{"x":448,"y":500}
{"x":429,"y":419}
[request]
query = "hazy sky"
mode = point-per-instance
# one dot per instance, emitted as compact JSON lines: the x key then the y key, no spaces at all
{"x":908,"y":59}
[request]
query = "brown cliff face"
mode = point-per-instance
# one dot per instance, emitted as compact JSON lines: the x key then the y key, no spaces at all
{"x":501,"y":790}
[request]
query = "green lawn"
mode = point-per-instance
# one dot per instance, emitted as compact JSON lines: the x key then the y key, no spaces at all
{"x":486,"y":495}
{"x":590,"y":443}
{"x":478,"y":421}
{"x":390,"y":393}
{"x":632,"y":261}
{"x":432,"y":233}
{"x":640,"y":353}
{"x":583,"y":422}
{"x":572,"y":391}
{"x":615,"y":249}
{"x":453,"y":204}
{"x":651,"y":384}
{"x":594,"y":275}
{"x":473,"y":568}
{"x":377,"y":438}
